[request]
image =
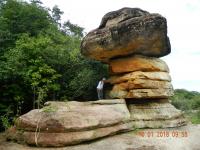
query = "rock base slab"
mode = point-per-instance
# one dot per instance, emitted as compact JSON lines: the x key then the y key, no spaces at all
{"x":67,"y":123}
{"x":156,"y":115}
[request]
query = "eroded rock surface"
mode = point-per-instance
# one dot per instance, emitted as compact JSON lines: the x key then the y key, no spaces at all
{"x":156,"y":114}
{"x":113,"y":18}
{"x":142,"y":93}
{"x":142,"y":84}
{"x":159,"y":76}
{"x":58,"y":139}
{"x":75,"y":116}
{"x":67,"y":123}
{"x":132,"y":141}
{"x":137,"y":63}
{"x":127,"y":31}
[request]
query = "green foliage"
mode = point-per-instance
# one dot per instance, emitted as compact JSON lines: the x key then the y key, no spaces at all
{"x":186,"y":100}
{"x":56,"y":14}
{"x":6,"y":119}
{"x":83,"y":84}
{"x":189,"y":102}
{"x":49,"y":109}
{"x":73,"y":29}
{"x":40,"y":59}
{"x":17,"y":17}
{"x":5,"y":122}
{"x":193,"y":116}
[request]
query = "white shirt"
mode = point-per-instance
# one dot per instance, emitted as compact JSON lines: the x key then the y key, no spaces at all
{"x":100,"y":85}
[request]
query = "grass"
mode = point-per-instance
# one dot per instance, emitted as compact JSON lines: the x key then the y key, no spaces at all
{"x":49,"y":109}
{"x":194,"y":117}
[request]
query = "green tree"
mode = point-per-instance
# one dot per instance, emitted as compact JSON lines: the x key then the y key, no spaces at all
{"x":37,"y":2}
{"x":40,"y":59}
{"x":186,"y":100}
{"x":73,"y":29}
{"x":56,"y":14}
{"x":21,"y":17}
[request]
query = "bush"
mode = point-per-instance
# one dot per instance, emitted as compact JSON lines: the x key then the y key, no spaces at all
{"x":186,"y":100}
{"x":189,"y":102}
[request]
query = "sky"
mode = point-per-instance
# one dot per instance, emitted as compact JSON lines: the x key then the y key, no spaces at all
{"x":183,"y":20}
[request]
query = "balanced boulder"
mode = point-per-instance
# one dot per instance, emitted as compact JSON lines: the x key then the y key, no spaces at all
{"x":130,"y":41}
{"x":127,"y":31}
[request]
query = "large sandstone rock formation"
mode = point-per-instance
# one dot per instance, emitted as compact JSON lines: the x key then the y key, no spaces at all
{"x":130,"y":41}
{"x":75,"y":116}
{"x":127,"y":31}
{"x":67,"y":123}
{"x":125,"y":39}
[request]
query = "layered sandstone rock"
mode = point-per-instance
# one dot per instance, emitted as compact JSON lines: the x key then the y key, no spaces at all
{"x":67,"y":123}
{"x":142,"y":93}
{"x":127,"y":31}
{"x":158,"y":76}
{"x":137,"y":63}
{"x":157,"y":113}
{"x":126,"y":39}
{"x":141,"y":84}
{"x":130,"y":41}
{"x":57,"y":139}
{"x":149,"y":78}
{"x":143,"y":89}
{"x":74,"y":116}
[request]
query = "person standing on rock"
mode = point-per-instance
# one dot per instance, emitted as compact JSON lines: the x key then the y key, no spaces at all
{"x":100,"y":88}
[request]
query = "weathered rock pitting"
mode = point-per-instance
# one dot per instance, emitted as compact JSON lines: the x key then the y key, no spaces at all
{"x":127,"y":31}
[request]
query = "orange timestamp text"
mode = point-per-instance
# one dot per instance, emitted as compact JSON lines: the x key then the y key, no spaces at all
{"x":163,"y":134}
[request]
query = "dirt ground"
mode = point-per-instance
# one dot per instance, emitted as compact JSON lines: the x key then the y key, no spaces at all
{"x":182,"y":138}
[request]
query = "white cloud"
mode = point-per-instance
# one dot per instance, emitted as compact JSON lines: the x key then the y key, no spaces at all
{"x":183,"y":29}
